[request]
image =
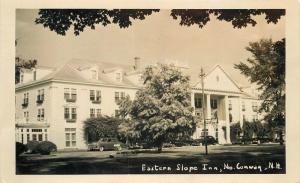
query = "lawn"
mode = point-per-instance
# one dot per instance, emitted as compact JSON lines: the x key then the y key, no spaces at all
{"x":256,"y":159}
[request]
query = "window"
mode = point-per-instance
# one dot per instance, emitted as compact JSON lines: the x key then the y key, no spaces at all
{"x":26,"y":115}
{"x":70,"y":95}
{"x":40,"y":96}
{"x":34,"y":137}
{"x":46,"y":137}
{"x":92,"y":95}
{"x":204,"y":132}
{"x":198,"y":101}
{"x":95,"y":96}
{"x":36,"y":130}
{"x":213,"y":103}
{"x":41,"y":114}
{"x":25,"y":99}
{"x":22,"y":138}
{"x":92,"y":113}
{"x":118,"y":76}
{"x":217,"y":134}
{"x":98,"y":95}
{"x":98,"y":112}
{"x":40,"y":137}
{"x":119,"y":96}
{"x":122,"y":95}
{"x":254,"y":106}
{"x":70,"y":117}
{"x":66,"y":93}
{"x":74,"y":113}
{"x":67,"y":113}
{"x":243,"y":106}
{"x":230,"y":117}
{"x":70,"y":137}
{"x":230,"y":105}
{"x":73,"y":94}
{"x":117,"y":113}
{"x":28,"y":137}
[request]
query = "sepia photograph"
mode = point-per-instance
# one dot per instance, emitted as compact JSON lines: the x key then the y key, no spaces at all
{"x":150,"y":91}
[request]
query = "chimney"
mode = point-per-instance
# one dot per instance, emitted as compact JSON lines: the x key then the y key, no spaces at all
{"x":137,"y":63}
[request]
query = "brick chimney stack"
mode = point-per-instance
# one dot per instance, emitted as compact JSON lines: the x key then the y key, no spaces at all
{"x":137,"y":63}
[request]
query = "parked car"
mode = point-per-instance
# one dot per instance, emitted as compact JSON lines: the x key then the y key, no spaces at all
{"x":210,"y":140}
{"x":237,"y":141}
{"x":182,"y":143}
{"x":255,"y":141}
{"x":167,"y":145}
{"x":106,"y":144}
{"x":135,"y":146}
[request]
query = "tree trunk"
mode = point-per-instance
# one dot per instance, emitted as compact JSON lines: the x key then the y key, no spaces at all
{"x":281,"y":137}
{"x":159,"y":148}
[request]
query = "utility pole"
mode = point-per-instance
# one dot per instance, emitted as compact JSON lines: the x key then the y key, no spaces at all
{"x":202,"y":74}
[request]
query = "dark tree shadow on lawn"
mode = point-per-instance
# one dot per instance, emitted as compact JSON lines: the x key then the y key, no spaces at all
{"x":132,"y":163}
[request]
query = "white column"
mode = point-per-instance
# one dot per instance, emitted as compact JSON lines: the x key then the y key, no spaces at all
{"x":226,"y":112}
{"x":208,"y":110}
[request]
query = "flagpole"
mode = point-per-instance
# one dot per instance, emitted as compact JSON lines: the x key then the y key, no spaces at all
{"x":204,"y":120}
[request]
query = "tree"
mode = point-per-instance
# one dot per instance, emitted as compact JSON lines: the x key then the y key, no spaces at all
{"x":235,"y":131}
{"x":22,"y":64}
{"x":162,"y":109}
{"x":100,"y":127}
{"x":266,"y":68}
{"x":61,"y":20}
{"x":248,"y":131}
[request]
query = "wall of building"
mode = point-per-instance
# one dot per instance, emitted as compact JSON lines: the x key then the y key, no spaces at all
{"x":32,"y":110}
{"x":83,"y":106}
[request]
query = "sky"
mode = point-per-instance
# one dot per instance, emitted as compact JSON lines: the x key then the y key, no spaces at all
{"x":156,"y":39}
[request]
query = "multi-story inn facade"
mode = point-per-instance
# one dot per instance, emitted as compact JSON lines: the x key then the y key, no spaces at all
{"x":51,"y":104}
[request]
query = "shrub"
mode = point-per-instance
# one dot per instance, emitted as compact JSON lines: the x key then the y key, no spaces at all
{"x":20,"y":148}
{"x":46,"y":147}
{"x":32,"y":146}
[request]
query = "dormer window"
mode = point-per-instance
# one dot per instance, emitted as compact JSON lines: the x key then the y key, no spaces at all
{"x":94,"y":74}
{"x":118,"y":76}
{"x":140,"y":78}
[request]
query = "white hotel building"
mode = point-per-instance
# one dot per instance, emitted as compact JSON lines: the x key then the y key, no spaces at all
{"x":51,"y":104}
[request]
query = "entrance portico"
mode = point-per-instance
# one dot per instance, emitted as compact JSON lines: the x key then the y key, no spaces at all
{"x":216,"y":114}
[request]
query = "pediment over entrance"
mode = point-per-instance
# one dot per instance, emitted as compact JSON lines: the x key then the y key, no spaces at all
{"x":218,"y":80}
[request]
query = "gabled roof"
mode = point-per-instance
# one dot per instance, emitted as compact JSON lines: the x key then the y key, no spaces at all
{"x":69,"y":72}
{"x":210,"y":73}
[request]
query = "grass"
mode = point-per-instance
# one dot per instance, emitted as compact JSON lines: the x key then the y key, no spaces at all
{"x":132,"y":161}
